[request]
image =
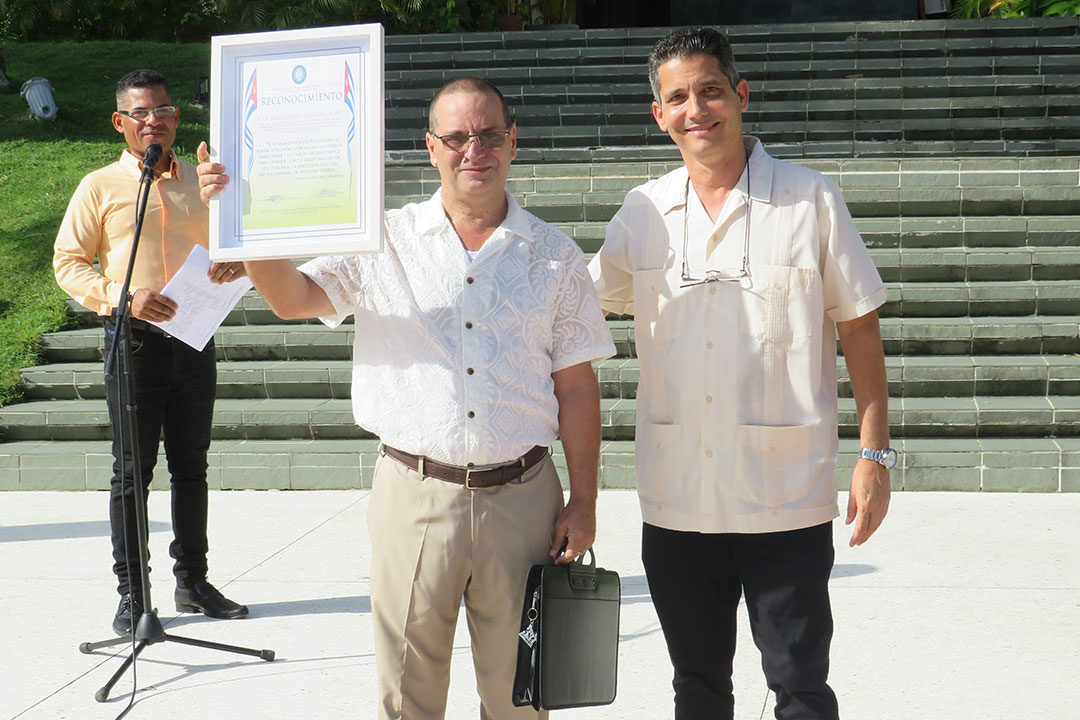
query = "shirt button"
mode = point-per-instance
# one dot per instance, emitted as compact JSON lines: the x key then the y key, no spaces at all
{"x":708,"y":398}
{"x":708,"y":344}
{"x":468,"y":326}
{"x":712,"y":291}
{"x":472,"y":414}
{"x":776,"y":286}
{"x":469,"y":280}
{"x":708,"y":453}
{"x":470,"y":371}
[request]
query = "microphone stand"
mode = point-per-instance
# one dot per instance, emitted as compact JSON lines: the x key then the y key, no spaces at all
{"x":150,"y":630}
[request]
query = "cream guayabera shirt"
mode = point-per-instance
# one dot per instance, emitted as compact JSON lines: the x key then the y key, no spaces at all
{"x":736,"y":406}
{"x":453,"y":359}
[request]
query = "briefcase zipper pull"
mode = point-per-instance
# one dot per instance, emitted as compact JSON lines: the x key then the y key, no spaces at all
{"x":528,"y":635}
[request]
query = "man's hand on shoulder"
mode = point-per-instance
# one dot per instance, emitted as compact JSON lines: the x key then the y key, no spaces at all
{"x":149,"y":305}
{"x":868,"y":501}
{"x":212,"y":177}
{"x":577,"y":525}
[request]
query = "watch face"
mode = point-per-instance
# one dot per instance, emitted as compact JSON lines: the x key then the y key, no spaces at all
{"x":888,"y":458}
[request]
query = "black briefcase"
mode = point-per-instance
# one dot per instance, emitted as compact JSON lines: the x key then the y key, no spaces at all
{"x":569,"y":641}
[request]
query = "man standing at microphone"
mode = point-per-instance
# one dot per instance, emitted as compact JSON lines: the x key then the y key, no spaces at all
{"x":174,"y":384}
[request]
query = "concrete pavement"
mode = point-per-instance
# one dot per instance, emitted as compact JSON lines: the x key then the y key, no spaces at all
{"x":965,"y":606}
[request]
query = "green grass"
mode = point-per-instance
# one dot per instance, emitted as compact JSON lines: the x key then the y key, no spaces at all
{"x":42,"y":162}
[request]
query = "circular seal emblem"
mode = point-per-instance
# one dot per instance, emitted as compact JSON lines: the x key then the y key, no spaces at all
{"x":299,"y":74}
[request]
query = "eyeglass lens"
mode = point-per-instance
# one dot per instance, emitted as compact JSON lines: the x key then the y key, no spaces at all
{"x":141,"y":114}
{"x":487,"y":140}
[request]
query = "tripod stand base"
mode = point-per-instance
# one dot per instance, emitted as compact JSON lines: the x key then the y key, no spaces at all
{"x":150,"y":632}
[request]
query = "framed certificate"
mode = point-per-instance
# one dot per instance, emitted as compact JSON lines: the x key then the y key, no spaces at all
{"x":296,"y":117}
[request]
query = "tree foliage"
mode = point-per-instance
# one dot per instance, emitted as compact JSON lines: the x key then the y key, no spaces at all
{"x":1015,"y":8}
{"x":197,"y":20}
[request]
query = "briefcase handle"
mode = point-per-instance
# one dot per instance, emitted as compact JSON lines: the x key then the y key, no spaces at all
{"x":582,"y":576}
{"x":580,"y":560}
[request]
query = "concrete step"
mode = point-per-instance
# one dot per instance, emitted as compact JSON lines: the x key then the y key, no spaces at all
{"x":587,"y":199}
{"x":979,"y":299}
{"x":931,"y":283}
{"x":627,"y":85}
{"x":1030,"y":335}
{"x":978,"y":237}
{"x":972,"y":464}
{"x":948,"y":174}
{"x":320,"y":419}
{"x":781,"y":38}
{"x":771,"y":59}
{"x":998,"y":335}
{"x":957,"y":36}
{"x":1016,"y":135}
{"x":768,"y":60}
{"x":633,"y":108}
{"x":809,"y":149}
{"x":914,"y":376}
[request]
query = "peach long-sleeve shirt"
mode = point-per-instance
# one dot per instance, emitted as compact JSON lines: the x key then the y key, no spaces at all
{"x":100,"y":223}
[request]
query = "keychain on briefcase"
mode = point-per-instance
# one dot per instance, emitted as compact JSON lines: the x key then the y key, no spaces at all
{"x":569,"y":640}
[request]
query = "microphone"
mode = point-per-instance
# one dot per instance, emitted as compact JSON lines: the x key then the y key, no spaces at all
{"x":150,"y":159}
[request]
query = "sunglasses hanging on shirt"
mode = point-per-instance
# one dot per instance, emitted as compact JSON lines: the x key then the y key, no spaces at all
{"x":712,"y":276}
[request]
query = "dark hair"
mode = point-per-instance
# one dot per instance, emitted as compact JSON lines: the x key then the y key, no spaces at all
{"x":692,"y":41}
{"x":468,"y":84}
{"x":140,"y":79}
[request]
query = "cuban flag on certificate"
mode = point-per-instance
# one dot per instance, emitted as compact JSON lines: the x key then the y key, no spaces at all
{"x":350,"y":131}
{"x":251,"y":103}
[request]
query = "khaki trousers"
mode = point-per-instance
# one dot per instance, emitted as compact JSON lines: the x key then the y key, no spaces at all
{"x":434,"y":543}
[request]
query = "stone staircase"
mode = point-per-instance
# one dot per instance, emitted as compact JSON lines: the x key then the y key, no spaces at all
{"x":957,"y":146}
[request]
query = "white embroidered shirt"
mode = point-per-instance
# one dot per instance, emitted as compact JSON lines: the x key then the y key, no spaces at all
{"x":451,"y":359}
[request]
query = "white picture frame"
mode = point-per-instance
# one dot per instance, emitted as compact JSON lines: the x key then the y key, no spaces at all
{"x":296,"y":116}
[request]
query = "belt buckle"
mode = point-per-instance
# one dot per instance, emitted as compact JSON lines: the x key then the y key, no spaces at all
{"x":470,"y":469}
{"x":468,"y":477}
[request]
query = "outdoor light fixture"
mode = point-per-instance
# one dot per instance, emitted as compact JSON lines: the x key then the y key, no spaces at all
{"x":202,"y":92}
{"x":38,"y":94}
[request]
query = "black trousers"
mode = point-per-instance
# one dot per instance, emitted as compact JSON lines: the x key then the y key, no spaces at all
{"x":175,"y":387}
{"x":696,"y":580}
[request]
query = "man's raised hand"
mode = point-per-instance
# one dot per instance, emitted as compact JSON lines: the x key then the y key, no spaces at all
{"x":212,"y":177}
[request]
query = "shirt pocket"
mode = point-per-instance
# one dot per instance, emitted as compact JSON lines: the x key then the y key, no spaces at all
{"x":772,"y":463}
{"x":659,"y":461}
{"x":782,"y":305}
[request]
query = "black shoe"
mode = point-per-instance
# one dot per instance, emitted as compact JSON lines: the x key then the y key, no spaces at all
{"x":202,"y":597}
{"x":127,"y":615}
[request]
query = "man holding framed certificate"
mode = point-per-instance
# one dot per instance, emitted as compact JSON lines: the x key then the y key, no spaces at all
{"x":475,"y":328}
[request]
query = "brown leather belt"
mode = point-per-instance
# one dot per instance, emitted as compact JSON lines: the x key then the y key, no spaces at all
{"x":470,"y":477}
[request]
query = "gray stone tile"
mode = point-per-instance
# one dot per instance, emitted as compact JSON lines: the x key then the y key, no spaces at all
{"x":52,"y":478}
{"x":942,"y":479}
{"x":9,"y":479}
{"x":1020,"y":480}
{"x":331,"y":477}
{"x":1070,"y":480}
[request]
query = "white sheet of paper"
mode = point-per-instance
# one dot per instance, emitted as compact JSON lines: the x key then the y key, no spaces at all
{"x":202,"y":305}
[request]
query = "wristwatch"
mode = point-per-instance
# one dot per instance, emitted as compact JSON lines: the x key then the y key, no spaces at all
{"x":886,"y":458}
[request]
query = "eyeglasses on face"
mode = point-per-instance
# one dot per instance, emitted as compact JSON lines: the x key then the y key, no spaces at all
{"x":141,"y":114}
{"x":488,"y":140}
